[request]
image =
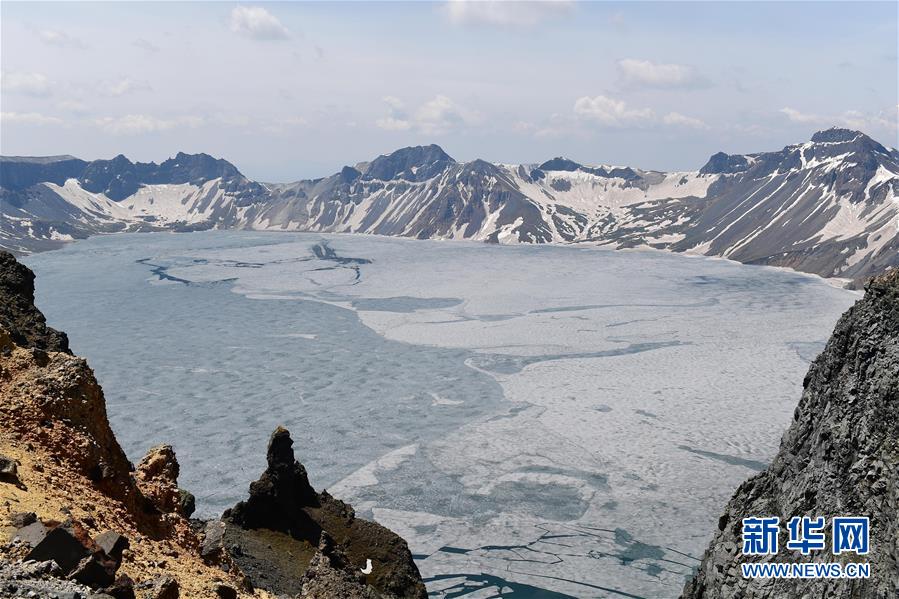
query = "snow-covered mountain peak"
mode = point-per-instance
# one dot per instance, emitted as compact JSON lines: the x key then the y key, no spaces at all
{"x":853,"y":153}
{"x":837,"y":135}
{"x":560,"y":164}
{"x":416,"y":163}
{"x":721,"y":163}
{"x":828,"y":205}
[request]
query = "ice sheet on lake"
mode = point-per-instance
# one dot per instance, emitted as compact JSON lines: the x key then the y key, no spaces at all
{"x":542,"y":419}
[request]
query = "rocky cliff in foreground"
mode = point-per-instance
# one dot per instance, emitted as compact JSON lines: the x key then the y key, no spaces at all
{"x":840,"y":457}
{"x":78,"y":519}
{"x":18,"y":317}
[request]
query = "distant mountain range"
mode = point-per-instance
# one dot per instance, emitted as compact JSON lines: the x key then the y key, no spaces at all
{"x":829,"y":206}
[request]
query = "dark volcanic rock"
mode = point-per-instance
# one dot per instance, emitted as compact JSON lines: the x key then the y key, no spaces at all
{"x":112,"y":544}
{"x":331,"y":575}
{"x":187,"y":503}
{"x":284,"y":515}
{"x":213,"y":548}
{"x":94,"y":571}
{"x":277,"y":498}
{"x":122,"y":588}
{"x":164,"y":587}
{"x":25,"y":323}
{"x":39,"y":579}
{"x":840,"y":457}
{"x":9,"y":470}
{"x":223,"y":591}
{"x":22,"y":519}
{"x":60,"y":545}
{"x":33,"y":533}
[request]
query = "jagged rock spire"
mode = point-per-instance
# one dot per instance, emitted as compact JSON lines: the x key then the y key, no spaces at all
{"x":277,"y":499}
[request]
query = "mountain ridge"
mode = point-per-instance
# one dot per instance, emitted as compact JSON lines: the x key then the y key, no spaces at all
{"x":828,"y":206}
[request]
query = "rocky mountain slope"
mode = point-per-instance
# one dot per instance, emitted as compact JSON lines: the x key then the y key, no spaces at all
{"x":284,"y":505}
{"x":840,"y":457}
{"x":76,"y":516}
{"x":829,"y":206}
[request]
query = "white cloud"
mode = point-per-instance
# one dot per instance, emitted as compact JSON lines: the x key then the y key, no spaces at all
{"x":645,"y":73}
{"x":614,"y":113}
{"x":504,"y":12}
{"x":885,"y":119}
{"x":29,"y":118}
{"x":121,"y":87}
{"x":146,"y":45}
{"x":135,"y":124}
{"x":73,"y":106}
{"x":440,"y":115}
{"x":680,"y":120}
{"x":394,"y":103}
{"x":611,"y":112}
{"x":283,"y":126}
{"x":437,"y":116}
{"x":62,"y":39}
{"x":556,"y":126}
{"x":28,"y":84}
{"x":397,"y":119}
{"x":231,"y":120}
{"x":753,"y":129}
{"x":392,"y":124}
{"x":801,"y":117}
{"x":853,"y":119}
{"x":294,"y":121}
{"x":257,"y":23}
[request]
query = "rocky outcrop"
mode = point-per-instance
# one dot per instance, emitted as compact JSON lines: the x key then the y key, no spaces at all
{"x":39,"y":579}
{"x":330,"y":574}
{"x":157,"y":477}
{"x":277,"y":500}
{"x":70,"y":494}
{"x":23,"y":322}
{"x":283,"y":501}
{"x":840,"y":457}
{"x":97,"y":526}
{"x":52,"y":400}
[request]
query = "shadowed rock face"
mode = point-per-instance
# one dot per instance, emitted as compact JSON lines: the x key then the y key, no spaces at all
{"x":277,"y":499}
{"x":330,"y":574}
{"x":283,"y":502}
{"x":50,"y":399}
{"x":840,"y":457}
{"x":413,"y":164}
{"x":24,"y":323}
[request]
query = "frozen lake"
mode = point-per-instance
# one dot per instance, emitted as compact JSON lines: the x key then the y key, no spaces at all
{"x":551,"y":421}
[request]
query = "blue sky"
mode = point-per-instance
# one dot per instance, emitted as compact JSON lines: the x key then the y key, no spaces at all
{"x":292,"y":90}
